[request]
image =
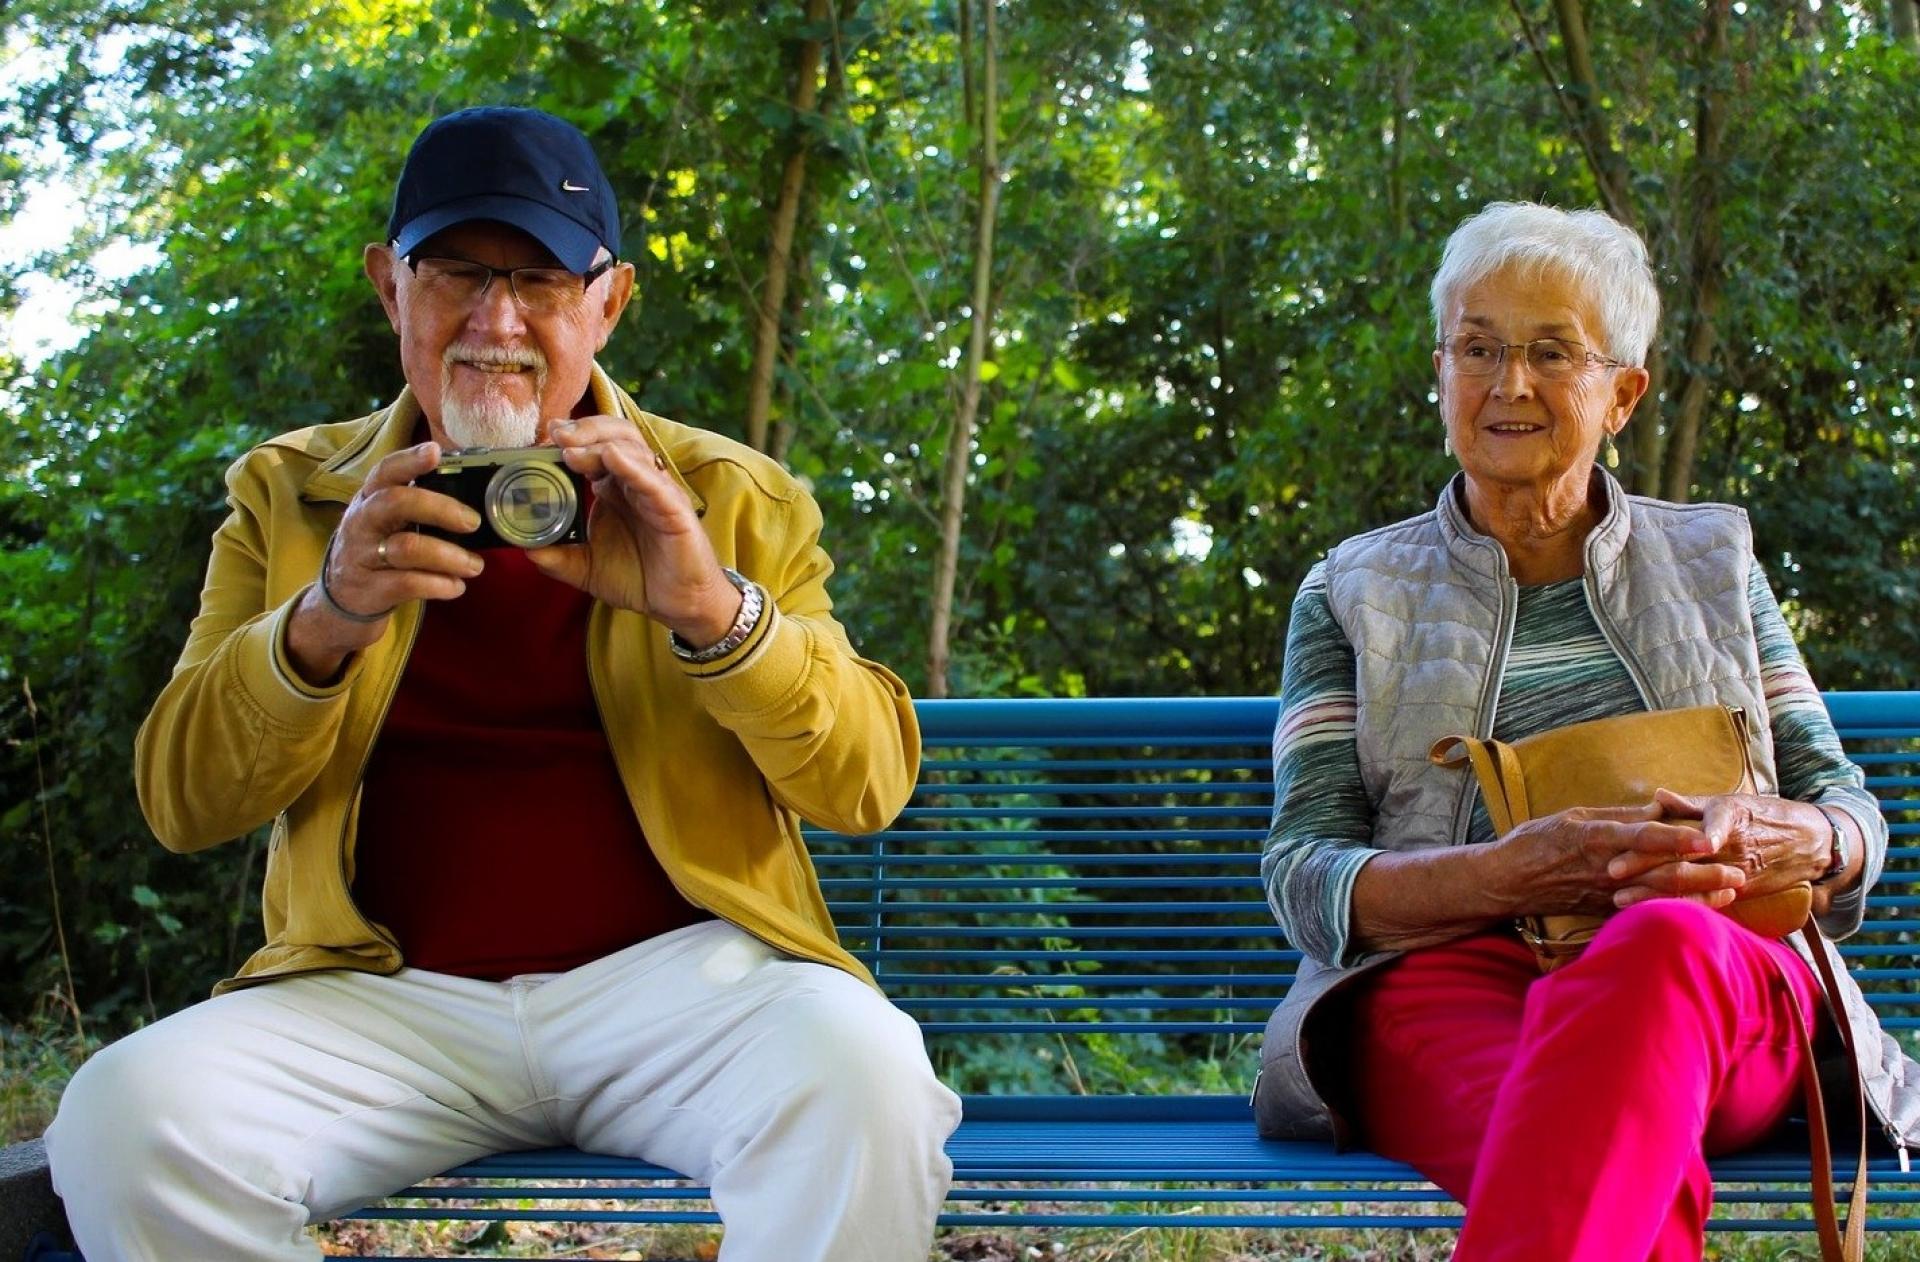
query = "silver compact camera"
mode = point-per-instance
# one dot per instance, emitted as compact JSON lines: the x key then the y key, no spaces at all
{"x":526,"y":496}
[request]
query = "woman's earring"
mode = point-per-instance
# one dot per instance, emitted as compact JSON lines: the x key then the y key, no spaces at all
{"x":1446,"y":441}
{"x":1610,"y":452}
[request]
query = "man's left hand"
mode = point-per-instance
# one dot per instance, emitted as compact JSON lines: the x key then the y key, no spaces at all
{"x":645,"y":549}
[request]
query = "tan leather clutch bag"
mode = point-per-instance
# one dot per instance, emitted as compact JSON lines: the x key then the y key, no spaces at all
{"x":1618,"y":762}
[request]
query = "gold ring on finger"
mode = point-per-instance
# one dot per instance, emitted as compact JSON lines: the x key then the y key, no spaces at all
{"x":380,"y":550}
{"x":659,"y":462}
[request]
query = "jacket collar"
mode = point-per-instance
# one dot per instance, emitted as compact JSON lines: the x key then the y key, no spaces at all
{"x":1482,"y":553}
{"x":388,"y":430}
{"x":373,"y":440}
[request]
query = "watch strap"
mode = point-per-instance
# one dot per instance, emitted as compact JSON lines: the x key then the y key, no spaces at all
{"x":753,"y":603}
{"x":1838,"y":858}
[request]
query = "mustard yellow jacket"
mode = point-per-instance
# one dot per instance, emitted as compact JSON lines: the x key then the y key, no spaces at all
{"x":720,"y":761}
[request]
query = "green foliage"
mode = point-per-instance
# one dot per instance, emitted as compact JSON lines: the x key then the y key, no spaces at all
{"x":36,"y":1059}
{"x":1211,"y":351}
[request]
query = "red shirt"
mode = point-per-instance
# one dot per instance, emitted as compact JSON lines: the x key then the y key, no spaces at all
{"x":495,"y":836}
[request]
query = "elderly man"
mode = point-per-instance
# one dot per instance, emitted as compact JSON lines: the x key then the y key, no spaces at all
{"x":536,"y":874}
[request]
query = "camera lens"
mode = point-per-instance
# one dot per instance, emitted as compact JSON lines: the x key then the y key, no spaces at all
{"x":530,"y":504}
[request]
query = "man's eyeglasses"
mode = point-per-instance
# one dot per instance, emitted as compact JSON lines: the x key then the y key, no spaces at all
{"x":538,"y":290}
{"x":1548,"y":358}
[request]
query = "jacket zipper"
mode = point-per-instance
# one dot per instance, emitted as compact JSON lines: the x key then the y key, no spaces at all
{"x":360,"y":775}
{"x":594,"y":686}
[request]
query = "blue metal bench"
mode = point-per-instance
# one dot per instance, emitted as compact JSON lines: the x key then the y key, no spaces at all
{"x":1074,"y":894}
{"x":1079,"y":879}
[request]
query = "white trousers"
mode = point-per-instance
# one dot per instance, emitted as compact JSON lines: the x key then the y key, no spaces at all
{"x":798,"y":1094}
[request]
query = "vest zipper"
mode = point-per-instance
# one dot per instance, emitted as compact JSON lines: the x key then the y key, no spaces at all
{"x":1589,"y":588}
{"x":1489,"y":701}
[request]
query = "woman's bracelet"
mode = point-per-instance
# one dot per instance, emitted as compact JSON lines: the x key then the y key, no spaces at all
{"x":327,"y":598}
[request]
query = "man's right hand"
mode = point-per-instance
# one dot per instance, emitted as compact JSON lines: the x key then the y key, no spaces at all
{"x":378,"y":561}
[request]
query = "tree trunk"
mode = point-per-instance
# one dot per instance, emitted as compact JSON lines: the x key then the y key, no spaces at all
{"x":1704,"y":265}
{"x":786,"y":213}
{"x":1640,"y":452}
{"x":1640,"y":449}
{"x":1397,"y":134}
{"x":960,"y":441}
{"x":1609,"y":167}
{"x":780,"y":433}
{"x":966,"y":60}
{"x":1905,"y":19}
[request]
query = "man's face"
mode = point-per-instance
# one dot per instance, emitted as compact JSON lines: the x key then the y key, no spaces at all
{"x":488,"y":371}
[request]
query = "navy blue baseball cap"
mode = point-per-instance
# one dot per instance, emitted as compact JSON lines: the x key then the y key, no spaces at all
{"x":517,"y":166}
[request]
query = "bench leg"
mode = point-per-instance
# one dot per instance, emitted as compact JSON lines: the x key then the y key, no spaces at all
{"x":30,"y":1213}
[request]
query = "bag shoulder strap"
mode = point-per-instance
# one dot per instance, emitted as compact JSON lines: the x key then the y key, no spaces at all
{"x":1836,"y":1244}
{"x":1502,"y":784}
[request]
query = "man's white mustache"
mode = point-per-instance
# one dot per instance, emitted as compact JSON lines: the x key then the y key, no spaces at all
{"x":496,"y":356}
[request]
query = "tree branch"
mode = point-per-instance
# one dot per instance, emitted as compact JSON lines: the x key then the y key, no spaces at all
{"x":960,"y":441}
{"x":1589,"y":128}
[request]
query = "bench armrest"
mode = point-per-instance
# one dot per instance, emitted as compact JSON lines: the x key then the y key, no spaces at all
{"x":28,"y":1205}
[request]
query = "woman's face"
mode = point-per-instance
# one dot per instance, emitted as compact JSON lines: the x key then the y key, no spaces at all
{"x":1511,"y":428}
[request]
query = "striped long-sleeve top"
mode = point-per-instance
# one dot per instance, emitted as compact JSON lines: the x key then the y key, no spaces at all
{"x":1561,"y":670}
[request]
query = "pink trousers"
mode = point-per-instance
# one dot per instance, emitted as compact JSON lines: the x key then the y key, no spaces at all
{"x":1573,"y":1114}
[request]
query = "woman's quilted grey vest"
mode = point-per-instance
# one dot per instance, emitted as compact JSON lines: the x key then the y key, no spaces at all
{"x":1428,"y":605}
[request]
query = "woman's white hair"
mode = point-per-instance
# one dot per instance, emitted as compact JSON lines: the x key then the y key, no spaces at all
{"x":1599,"y":255}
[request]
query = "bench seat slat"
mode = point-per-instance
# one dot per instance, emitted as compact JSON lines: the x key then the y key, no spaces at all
{"x":1019,"y":932}
{"x":1255,"y":1003}
{"x":1019,"y":811}
{"x":974,"y":836}
{"x":1063,"y":955}
{"x":1231,"y":860}
{"x":1130,"y":766}
{"x":1081,"y":1140}
{"x":1104,"y":788}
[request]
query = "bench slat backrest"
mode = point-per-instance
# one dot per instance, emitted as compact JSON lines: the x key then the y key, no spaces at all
{"x":1091,"y":867}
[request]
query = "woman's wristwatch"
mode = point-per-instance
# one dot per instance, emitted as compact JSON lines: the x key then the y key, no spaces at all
{"x":753,"y":601}
{"x":1837,"y":861}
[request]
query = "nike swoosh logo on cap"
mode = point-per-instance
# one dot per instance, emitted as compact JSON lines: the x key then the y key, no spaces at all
{"x":568,"y":186}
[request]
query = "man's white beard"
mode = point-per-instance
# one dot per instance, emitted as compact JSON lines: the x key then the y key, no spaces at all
{"x":490,"y":421}
{"x":493,"y":419}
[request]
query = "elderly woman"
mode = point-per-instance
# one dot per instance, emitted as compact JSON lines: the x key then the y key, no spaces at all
{"x":1572,"y":1113}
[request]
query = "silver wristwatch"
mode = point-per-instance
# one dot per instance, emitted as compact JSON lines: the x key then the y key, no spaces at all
{"x":753,"y":601}
{"x":1837,"y":852}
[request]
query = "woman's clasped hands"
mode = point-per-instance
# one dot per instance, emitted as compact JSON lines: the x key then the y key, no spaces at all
{"x":1712,"y":850}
